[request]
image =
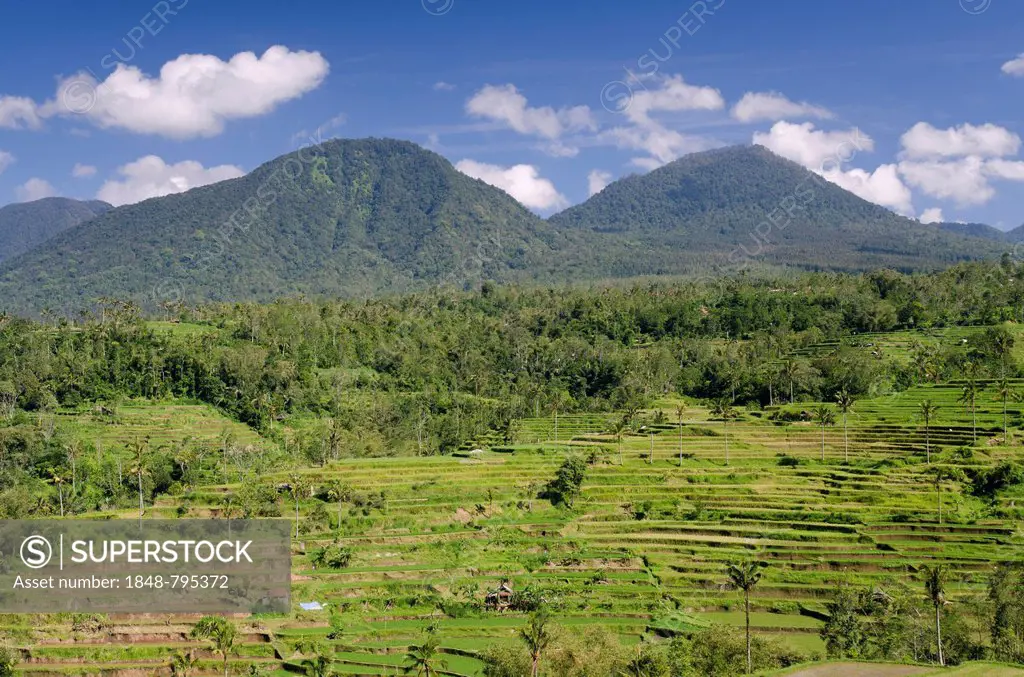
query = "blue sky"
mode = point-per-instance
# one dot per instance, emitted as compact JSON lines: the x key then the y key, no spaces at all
{"x":919,"y":101}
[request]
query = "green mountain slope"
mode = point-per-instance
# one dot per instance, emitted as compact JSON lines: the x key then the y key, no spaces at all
{"x":372,"y":216}
{"x":28,"y":224}
{"x":746,"y":203}
{"x":343,"y":218}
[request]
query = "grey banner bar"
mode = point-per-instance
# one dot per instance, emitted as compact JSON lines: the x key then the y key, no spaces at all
{"x":160,"y":566}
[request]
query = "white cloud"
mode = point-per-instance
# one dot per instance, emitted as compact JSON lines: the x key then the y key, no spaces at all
{"x":1015,"y":66}
{"x":523,"y":182}
{"x":932,"y":215}
{"x":664,"y":145}
{"x":34,"y":189}
{"x":18,"y":113}
{"x":6,"y":160}
{"x":195,"y":94}
{"x":987,"y":140}
{"x":882,"y":186}
{"x":673,"y":95}
{"x":597,"y":180}
{"x":505,"y":104}
{"x":80,"y":171}
{"x":150,"y":176}
{"x":1010,"y":170}
{"x":442,"y":86}
{"x":815,"y":149}
{"x":646,"y":133}
{"x":774,"y":106}
{"x":961,"y":180}
{"x":825,"y":153}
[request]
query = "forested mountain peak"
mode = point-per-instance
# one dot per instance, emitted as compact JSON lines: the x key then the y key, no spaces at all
{"x":24,"y":225}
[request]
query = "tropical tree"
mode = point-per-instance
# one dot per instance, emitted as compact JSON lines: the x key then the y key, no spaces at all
{"x":221,"y":632}
{"x":928,"y":412}
{"x":319,"y":665}
{"x":844,"y":402}
{"x":140,"y":452}
{"x":1005,"y":392}
{"x":425,"y":658}
{"x":940,"y":474}
{"x":969,"y":398}
{"x":619,"y":430}
{"x":935,"y":587}
{"x":824,"y":416}
{"x":58,"y":481}
{"x":745,"y":576}
{"x":183,"y":663}
{"x":680,"y":410}
{"x":298,"y":487}
{"x":537,"y":637}
{"x":722,"y":409}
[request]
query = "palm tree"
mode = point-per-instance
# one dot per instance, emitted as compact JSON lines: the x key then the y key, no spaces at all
{"x":58,"y":482}
{"x":140,"y":451}
{"x":299,"y":488}
{"x":536,"y":637}
{"x":1005,"y":392}
{"x":969,"y":398}
{"x":424,"y":658}
{"x":618,"y":431}
{"x":928,"y":413}
{"x":722,"y":408}
{"x":935,"y":586}
{"x":745,"y":576}
{"x":844,"y":401}
{"x":824,"y":416}
{"x":183,"y":663}
{"x":221,"y":632}
{"x":791,"y":370}
{"x":939,"y":475}
{"x":680,"y":410}
{"x":319,"y":665}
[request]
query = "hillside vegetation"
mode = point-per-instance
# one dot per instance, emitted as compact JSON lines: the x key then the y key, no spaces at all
{"x":29,"y":224}
{"x":624,"y":458}
{"x":351,"y":218}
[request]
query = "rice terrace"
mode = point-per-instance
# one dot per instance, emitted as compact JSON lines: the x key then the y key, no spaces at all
{"x":596,"y":478}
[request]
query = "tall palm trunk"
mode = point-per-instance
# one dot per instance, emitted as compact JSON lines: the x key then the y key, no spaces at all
{"x":846,"y":440}
{"x":725,"y":424}
{"x":938,"y":633}
{"x":746,"y":604}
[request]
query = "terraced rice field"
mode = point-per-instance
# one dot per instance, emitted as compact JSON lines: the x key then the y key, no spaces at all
{"x":644,"y":551}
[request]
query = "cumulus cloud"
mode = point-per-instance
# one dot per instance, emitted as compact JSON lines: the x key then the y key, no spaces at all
{"x":646,"y":133}
{"x":18,"y":113}
{"x":774,"y":106}
{"x":34,"y":189}
{"x":673,"y":95}
{"x":194,"y":95}
{"x":6,"y":160}
{"x":962,"y":180}
{"x":932,"y":215}
{"x":987,"y":140}
{"x":507,"y":105}
{"x":882,"y":186}
{"x":825,"y":153}
{"x":150,"y":176}
{"x":80,"y":171}
{"x":663,"y":145}
{"x":815,"y":149}
{"x":442,"y":86}
{"x":523,"y":182}
{"x":1010,"y":170}
{"x":1015,"y":66}
{"x":597,"y":180}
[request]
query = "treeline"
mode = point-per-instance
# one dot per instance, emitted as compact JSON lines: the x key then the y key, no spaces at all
{"x":426,"y":373}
